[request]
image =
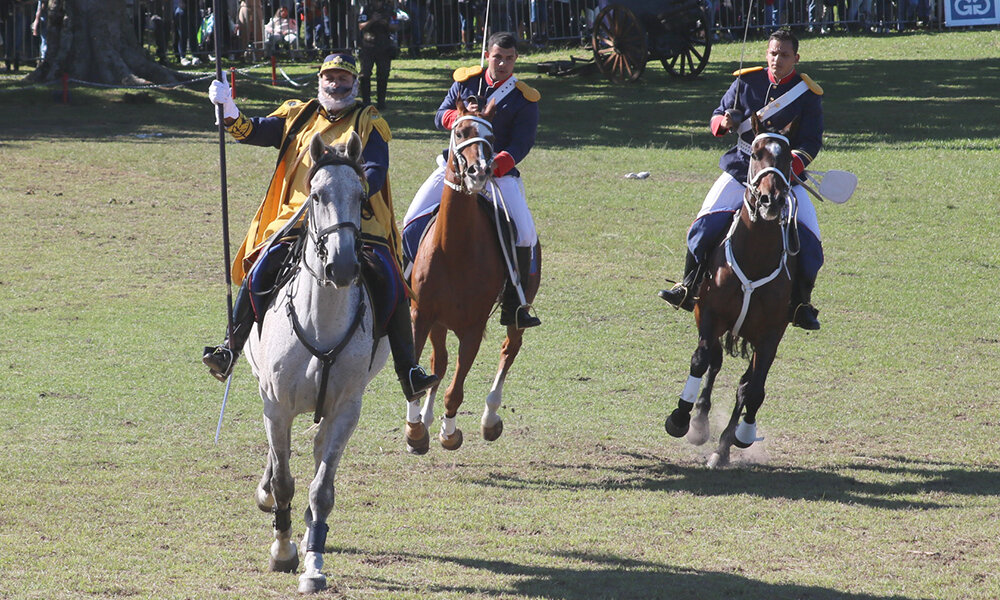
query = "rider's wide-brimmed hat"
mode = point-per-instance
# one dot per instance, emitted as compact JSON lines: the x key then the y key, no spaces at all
{"x":344,"y":62}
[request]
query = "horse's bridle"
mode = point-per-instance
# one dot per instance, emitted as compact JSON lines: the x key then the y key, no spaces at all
{"x":319,"y":236}
{"x":754,"y":177}
{"x":455,"y":148}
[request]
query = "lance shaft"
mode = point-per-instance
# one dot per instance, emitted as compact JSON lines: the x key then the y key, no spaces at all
{"x":225,"y":197}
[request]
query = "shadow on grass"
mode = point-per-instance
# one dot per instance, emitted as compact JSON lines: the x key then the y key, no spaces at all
{"x":919,"y":101}
{"x":607,"y":576}
{"x":912,"y":480}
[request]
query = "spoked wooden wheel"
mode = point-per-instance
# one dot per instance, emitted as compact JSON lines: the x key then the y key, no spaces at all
{"x":691,"y":61}
{"x":619,"y":44}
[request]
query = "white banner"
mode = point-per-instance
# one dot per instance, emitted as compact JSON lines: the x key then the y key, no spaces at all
{"x":962,"y":13}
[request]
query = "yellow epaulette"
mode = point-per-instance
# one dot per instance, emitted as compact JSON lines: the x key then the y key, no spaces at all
{"x":812,"y":84}
{"x":739,"y":72}
{"x":530,"y":94}
{"x":285,"y":108}
{"x":465,"y":73}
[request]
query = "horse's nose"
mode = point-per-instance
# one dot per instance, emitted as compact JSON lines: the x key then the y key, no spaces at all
{"x":337,"y":275}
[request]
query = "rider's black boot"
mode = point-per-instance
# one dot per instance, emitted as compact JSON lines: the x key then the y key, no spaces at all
{"x":412,"y":377}
{"x":801,"y":312}
{"x":511,"y":311}
{"x":682,"y":295}
{"x":222,"y":358}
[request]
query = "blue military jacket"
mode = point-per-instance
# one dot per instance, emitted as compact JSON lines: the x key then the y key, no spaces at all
{"x":755,"y":90}
{"x":515,"y":120}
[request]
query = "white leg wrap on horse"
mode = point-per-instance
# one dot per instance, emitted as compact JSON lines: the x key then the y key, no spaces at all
{"x":746,"y":433}
{"x":690,"y":393}
{"x":413,"y":411}
{"x":448,"y":426}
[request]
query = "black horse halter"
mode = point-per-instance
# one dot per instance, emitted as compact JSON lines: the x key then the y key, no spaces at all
{"x":319,"y":236}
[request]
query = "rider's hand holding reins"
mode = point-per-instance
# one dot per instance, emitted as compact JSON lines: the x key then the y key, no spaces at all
{"x":219,"y":93}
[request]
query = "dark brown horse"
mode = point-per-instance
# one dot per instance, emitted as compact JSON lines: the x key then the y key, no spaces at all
{"x":458,"y":273}
{"x":745,"y":297}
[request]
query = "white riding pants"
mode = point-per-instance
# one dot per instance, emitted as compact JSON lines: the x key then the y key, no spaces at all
{"x":511,"y":190}
{"x":727,"y":195}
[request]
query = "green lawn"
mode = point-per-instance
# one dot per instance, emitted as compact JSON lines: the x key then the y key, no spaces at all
{"x":879,"y":474}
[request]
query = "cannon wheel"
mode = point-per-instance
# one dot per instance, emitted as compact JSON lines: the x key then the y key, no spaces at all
{"x":691,"y":61}
{"x":619,"y":44}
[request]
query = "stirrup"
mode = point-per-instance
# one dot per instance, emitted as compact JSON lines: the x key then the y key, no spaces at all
{"x":685,"y":300}
{"x":805,"y":317}
{"x":220,"y":361}
{"x":416,"y":382}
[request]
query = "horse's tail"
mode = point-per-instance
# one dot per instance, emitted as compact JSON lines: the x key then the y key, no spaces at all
{"x":737,"y":346}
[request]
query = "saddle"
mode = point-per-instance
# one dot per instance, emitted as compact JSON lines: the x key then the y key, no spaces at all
{"x":414,"y":232}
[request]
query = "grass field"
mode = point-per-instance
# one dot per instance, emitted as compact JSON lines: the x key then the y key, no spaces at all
{"x":879,"y":475}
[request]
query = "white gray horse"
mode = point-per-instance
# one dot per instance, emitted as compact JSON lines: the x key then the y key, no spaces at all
{"x":316,"y":353}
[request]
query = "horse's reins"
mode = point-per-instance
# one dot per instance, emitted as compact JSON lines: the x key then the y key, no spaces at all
{"x":327,"y":357}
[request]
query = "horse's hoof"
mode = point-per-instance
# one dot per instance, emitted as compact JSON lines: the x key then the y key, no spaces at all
{"x":310,"y":584}
{"x":698,"y":432}
{"x":265,"y":500}
{"x":284,"y":566}
{"x":418,"y":441}
{"x":452,"y":442}
{"x":490,"y":434}
{"x":677,"y":423}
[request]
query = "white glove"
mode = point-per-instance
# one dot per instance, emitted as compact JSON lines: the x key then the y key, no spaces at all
{"x":219,"y":93}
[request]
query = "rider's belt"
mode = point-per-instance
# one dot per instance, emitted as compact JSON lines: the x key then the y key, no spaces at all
{"x":767,"y":111}
{"x":501,"y":92}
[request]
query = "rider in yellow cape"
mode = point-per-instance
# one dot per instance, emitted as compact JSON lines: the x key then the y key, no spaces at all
{"x":334,"y":115}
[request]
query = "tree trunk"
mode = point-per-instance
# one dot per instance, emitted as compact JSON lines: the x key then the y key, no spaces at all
{"x":94,"y":41}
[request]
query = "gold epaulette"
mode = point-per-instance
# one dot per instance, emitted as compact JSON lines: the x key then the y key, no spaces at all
{"x":465,"y":73}
{"x":812,"y":84}
{"x":530,"y":94}
{"x":739,"y":72}
{"x":286,"y":106}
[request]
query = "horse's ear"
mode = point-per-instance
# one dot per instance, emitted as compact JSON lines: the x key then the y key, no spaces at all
{"x":790,"y":129}
{"x":354,"y":147}
{"x":317,"y":148}
{"x":461,"y":108}
{"x":489,"y":110}
{"x":755,"y":123}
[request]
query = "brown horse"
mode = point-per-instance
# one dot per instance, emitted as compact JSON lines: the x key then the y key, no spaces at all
{"x":458,"y":273}
{"x":745,"y":297}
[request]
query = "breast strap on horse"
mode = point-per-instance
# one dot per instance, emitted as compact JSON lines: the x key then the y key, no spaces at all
{"x":747,"y":285}
{"x":328,"y":357}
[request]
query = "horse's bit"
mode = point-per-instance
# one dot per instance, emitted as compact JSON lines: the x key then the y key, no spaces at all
{"x":455,"y":149}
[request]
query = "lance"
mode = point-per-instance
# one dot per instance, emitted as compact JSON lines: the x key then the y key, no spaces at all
{"x":216,"y":29}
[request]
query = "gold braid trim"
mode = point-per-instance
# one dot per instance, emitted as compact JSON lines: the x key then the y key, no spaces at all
{"x":241,"y":128}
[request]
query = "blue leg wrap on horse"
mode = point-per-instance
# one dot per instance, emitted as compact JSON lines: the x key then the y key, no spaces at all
{"x":317,"y":537}
{"x":707,"y":231}
{"x":283,"y":519}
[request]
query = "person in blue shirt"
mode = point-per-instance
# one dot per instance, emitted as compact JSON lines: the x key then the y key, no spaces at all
{"x":515,"y":123}
{"x":761,"y":90}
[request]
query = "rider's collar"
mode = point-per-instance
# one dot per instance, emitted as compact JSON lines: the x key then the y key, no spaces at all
{"x":490,"y":82}
{"x":786,"y":79}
